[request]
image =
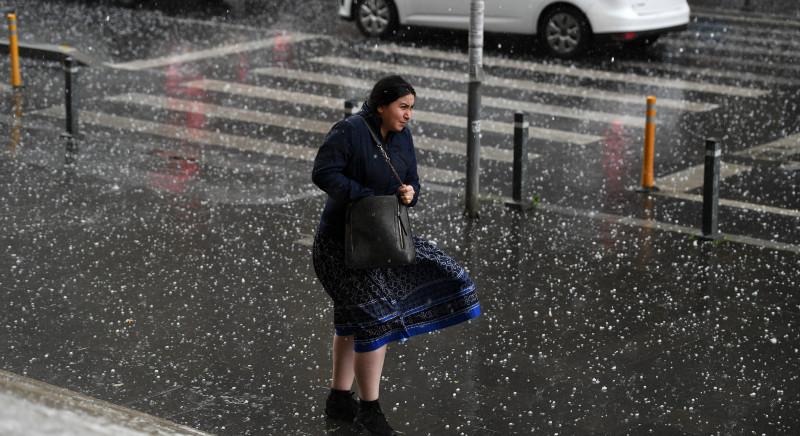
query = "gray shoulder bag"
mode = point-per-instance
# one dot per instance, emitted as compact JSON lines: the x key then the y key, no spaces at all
{"x":378,"y":230}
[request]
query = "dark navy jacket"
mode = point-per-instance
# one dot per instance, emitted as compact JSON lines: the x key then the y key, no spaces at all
{"x":350,"y":166}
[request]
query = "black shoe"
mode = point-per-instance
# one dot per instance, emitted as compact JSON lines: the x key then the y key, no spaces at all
{"x":370,"y":416}
{"x":341,"y":405}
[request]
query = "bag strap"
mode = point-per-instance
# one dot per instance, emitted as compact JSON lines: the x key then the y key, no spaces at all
{"x":380,"y":146}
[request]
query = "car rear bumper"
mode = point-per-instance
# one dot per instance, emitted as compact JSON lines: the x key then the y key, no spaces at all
{"x":623,"y":20}
{"x":632,"y":36}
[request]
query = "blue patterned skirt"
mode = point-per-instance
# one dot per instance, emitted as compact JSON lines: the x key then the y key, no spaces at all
{"x":382,"y":305}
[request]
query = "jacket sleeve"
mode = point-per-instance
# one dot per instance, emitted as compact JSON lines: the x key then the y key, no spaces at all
{"x":330,"y":163}
{"x":412,"y":178}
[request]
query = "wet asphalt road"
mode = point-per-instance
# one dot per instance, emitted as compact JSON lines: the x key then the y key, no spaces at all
{"x":166,"y":266}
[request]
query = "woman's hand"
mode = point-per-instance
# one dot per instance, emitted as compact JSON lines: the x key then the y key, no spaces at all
{"x":406,"y":193}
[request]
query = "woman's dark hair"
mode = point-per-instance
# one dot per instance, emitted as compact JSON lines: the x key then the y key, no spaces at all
{"x":387,"y":90}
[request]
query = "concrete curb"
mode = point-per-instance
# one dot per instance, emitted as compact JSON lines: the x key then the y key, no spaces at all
{"x":39,"y":408}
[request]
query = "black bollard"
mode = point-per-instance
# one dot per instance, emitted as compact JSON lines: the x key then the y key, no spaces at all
{"x":711,"y":190}
{"x":349,"y":108}
{"x":520,"y":198}
{"x":71,"y":95}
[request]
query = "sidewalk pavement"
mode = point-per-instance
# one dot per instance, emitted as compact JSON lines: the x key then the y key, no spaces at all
{"x":144,"y":286}
{"x":32,"y":408}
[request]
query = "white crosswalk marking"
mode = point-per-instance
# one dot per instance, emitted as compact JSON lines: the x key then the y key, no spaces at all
{"x":737,"y":48}
{"x":779,"y":150}
{"x":692,"y":177}
{"x":223,"y":112}
{"x":241,"y":143}
{"x":770,"y":39}
{"x":523,"y":85}
{"x":285,"y":121}
{"x":712,"y":72}
{"x":721,"y":61}
{"x":460,"y":97}
{"x":755,"y":19}
{"x":211,"y":53}
{"x":422,"y":116}
{"x":733,"y":203}
{"x":678,"y":184}
{"x":632,"y":221}
{"x":562,"y":70}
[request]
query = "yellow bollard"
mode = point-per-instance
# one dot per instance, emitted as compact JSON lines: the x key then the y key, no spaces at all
{"x":13,"y":49}
{"x":648,"y":182}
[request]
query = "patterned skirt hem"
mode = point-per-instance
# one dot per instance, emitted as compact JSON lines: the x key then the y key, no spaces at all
{"x":363,"y":346}
{"x":350,"y":327}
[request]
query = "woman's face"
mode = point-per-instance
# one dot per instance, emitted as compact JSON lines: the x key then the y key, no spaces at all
{"x":396,"y":115}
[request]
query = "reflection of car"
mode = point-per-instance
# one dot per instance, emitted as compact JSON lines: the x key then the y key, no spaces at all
{"x":565,"y":28}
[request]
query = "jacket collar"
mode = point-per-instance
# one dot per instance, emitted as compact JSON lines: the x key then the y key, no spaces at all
{"x":373,"y":120}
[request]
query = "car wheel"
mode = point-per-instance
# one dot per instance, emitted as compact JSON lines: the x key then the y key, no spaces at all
{"x":376,"y":18}
{"x":564,"y":32}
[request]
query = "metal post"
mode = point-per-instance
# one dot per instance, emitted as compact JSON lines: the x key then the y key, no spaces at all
{"x":16,"y":128}
{"x":648,"y":157}
{"x":711,"y":190}
{"x":71,"y":96}
{"x":350,"y":107}
{"x":520,"y":200}
{"x":13,"y":49}
{"x":474,"y":107}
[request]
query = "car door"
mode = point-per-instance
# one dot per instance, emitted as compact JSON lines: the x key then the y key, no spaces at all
{"x":451,"y":14}
{"x":511,"y":16}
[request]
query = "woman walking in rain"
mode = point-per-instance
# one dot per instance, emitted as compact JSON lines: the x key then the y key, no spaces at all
{"x":375,"y":306}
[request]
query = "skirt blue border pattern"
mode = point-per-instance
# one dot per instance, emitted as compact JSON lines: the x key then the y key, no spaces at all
{"x":381,"y":305}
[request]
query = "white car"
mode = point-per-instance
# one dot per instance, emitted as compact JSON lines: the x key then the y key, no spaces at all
{"x":565,"y":28}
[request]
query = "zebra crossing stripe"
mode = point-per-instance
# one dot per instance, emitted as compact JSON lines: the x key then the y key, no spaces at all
{"x":422,"y":116}
{"x":713,"y":72}
{"x":739,"y":49}
{"x":678,"y":184}
{"x":723,"y":37}
{"x":721,"y":61}
{"x":639,"y":222}
{"x":662,"y":226}
{"x":710,"y":13}
{"x":223,"y":112}
{"x":224,"y":140}
{"x":524,"y":85}
{"x":692,"y":177}
{"x":779,"y":150}
{"x":563,"y":70}
{"x":460,"y":97}
{"x":733,"y":203}
{"x":285,"y":121}
{"x":212,"y":52}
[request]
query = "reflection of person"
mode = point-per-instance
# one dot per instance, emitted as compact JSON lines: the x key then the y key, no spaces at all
{"x":373,"y":307}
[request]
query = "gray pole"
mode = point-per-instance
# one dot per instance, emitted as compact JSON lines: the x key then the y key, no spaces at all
{"x":71,"y":104}
{"x":520,"y":200}
{"x":71,"y":96}
{"x":349,"y":108}
{"x":474,"y":106}
{"x":711,"y":190}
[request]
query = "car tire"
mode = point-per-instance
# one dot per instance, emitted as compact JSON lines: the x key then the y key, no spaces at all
{"x":564,"y":32}
{"x":376,"y":18}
